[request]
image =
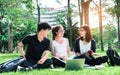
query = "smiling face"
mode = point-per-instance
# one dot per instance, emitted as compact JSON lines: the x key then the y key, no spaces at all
{"x":60,"y":32}
{"x":82,"y":32}
{"x":57,"y":31}
{"x":85,"y":33}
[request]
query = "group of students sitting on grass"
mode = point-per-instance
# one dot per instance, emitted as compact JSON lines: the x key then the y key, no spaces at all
{"x":38,"y":48}
{"x":38,"y":44}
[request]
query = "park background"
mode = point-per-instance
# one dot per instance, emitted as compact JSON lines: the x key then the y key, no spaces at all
{"x":19,"y":18}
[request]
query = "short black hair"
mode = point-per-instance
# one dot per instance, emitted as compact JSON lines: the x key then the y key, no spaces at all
{"x":43,"y":25}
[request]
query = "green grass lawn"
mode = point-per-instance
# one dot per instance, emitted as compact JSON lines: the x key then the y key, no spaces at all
{"x":61,"y":71}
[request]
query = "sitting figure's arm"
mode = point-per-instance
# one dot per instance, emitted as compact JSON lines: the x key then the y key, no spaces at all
{"x":78,"y":54}
{"x":96,"y":54}
{"x":68,"y":49}
{"x":20,"y":47}
{"x":44,"y":58}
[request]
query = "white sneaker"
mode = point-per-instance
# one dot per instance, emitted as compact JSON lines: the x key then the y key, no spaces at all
{"x":98,"y":67}
{"x":19,"y":68}
{"x":51,"y":66}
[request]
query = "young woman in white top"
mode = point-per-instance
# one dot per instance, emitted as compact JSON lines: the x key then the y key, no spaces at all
{"x":60,"y":45}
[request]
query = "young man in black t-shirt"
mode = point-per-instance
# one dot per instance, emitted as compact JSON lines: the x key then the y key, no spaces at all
{"x":37,"y":44}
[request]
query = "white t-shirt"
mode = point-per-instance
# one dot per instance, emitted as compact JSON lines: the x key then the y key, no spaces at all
{"x":60,"y":48}
{"x":84,"y":48}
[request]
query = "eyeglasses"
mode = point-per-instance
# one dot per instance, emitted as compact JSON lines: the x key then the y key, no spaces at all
{"x":61,"y":30}
{"x":81,"y":30}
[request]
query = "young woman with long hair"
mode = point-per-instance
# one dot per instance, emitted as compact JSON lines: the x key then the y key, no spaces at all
{"x":60,"y":45}
{"x":85,"y":47}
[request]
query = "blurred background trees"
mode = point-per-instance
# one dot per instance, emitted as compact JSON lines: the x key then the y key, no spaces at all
{"x":19,"y":18}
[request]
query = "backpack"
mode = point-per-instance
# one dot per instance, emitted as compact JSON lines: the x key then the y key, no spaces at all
{"x":11,"y":65}
{"x":114,"y":58}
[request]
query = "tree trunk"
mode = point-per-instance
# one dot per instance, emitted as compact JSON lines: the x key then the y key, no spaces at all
{"x":100,"y":26}
{"x":86,"y":11}
{"x":1,"y":30}
{"x":69,"y":22}
{"x":80,"y":8}
{"x":0,"y":46}
{"x":118,"y":28}
{"x":10,"y":38}
{"x":118,"y":19}
{"x":38,"y":9}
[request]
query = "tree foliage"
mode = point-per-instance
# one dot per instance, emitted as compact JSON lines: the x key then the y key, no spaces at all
{"x":109,"y":35}
{"x":23,"y":20}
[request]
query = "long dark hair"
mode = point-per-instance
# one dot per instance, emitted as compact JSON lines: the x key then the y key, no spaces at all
{"x":88,"y":35}
{"x":54,"y":30}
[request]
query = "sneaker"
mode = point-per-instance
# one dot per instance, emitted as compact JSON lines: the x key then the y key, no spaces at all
{"x":29,"y":68}
{"x":51,"y":66}
{"x":1,"y":68}
{"x":19,"y":68}
{"x":98,"y":67}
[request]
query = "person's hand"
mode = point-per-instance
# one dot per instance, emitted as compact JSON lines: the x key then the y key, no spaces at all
{"x":58,"y":55}
{"x":78,"y":54}
{"x":24,"y":58}
{"x":42,"y":60}
{"x":95,"y":54}
{"x":90,"y":52}
{"x":72,"y":53}
{"x":64,"y":58}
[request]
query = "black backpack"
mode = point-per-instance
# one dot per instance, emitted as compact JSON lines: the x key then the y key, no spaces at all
{"x":114,"y":58}
{"x":11,"y":65}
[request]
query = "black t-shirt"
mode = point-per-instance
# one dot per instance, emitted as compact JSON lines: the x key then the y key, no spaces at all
{"x":35,"y":48}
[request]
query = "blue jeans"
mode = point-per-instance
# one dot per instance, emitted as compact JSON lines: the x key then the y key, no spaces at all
{"x":33,"y":63}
